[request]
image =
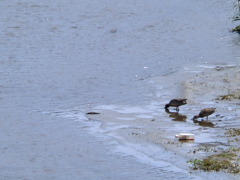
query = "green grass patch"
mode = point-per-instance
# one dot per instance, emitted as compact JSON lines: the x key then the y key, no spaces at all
{"x":225,"y":161}
{"x":236,"y":29}
{"x":226,"y":155}
{"x":232,"y":132}
{"x":229,"y":97}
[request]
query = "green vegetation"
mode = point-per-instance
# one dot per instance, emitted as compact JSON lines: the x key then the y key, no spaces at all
{"x":225,"y":161}
{"x":226,"y":155}
{"x":236,"y":29}
{"x":237,"y":16}
{"x":229,"y":97}
{"x":232,"y":132}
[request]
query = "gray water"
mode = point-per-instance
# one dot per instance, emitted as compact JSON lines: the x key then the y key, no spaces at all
{"x":60,"y":55}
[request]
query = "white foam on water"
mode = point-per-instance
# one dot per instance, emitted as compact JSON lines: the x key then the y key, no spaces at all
{"x":126,"y":118}
{"x":144,"y":116}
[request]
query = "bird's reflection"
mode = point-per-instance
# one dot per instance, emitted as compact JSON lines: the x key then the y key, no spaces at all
{"x":176,"y":116}
{"x":204,"y":123}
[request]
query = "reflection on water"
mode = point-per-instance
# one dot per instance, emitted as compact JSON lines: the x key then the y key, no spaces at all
{"x":204,"y":123}
{"x":176,"y":116}
{"x":186,"y":140}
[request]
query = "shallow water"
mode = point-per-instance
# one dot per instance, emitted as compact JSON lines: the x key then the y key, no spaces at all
{"x":62,"y":59}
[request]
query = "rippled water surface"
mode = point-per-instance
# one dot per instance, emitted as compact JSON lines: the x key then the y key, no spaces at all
{"x":60,"y":59}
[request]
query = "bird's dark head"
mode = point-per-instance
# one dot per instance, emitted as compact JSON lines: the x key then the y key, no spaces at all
{"x":166,"y":106}
{"x":195,"y":117}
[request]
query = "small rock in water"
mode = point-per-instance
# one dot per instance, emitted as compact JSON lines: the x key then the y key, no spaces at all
{"x":114,"y":30}
{"x":92,"y":113}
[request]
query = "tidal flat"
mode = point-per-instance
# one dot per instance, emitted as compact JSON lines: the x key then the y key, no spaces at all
{"x":122,"y":61}
{"x":149,"y":130}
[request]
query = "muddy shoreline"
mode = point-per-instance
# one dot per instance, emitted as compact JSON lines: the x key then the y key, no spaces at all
{"x":125,"y":59}
{"x":150,"y":130}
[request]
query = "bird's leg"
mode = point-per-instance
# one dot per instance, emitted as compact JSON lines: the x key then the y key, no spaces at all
{"x":177,"y":109}
{"x":207,"y":118}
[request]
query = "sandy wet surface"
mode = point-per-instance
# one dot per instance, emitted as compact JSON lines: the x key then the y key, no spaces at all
{"x":125,"y":59}
{"x":147,"y":132}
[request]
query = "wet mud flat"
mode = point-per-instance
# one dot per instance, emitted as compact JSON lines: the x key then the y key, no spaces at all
{"x":148,"y":131}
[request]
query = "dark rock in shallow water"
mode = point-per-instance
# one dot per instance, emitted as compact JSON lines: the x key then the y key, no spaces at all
{"x":92,"y":113}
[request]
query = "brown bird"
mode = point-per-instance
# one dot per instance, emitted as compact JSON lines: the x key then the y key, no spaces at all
{"x":176,"y":103}
{"x":205,"y":113}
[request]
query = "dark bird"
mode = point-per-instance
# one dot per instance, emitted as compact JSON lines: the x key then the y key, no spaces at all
{"x":205,"y":113}
{"x":176,"y":103}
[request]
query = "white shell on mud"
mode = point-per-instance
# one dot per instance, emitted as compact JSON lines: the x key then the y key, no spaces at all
{"x":185,"y":136}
